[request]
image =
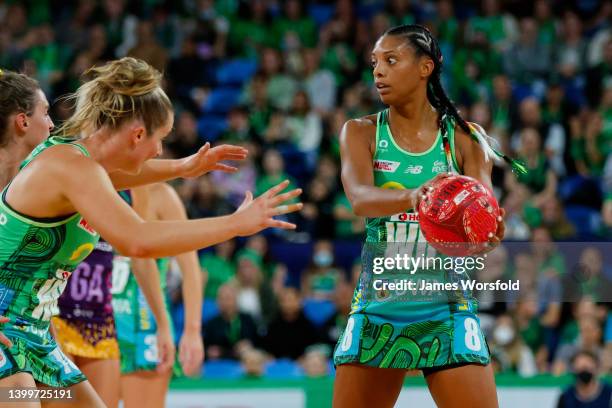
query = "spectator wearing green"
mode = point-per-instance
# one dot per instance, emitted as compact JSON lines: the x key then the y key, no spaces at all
{"x":499,"y":28}
{"x":273,"y":172}
{"x":348,"y":225}
{"x":219,"y":266}
{"x":250,"y":30}
{"x":540,"y":179}
{"x":446,"y":24}
{"x":591,"y":150}
{"x":547,"y":28}
{"x":279,"y":86}
{"x":255,"y":294}
{"x":473,"y":68}
{"x":295,"y":25}
{"x":501,"y":100}
{"x":338,"y":56}
{"x":546,"y":254}
{"x":48,"y":55}
{"x":319,"y":281}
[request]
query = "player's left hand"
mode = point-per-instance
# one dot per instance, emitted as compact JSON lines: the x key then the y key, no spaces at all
{"x":191,"y":352}
{"x":209,"y":159}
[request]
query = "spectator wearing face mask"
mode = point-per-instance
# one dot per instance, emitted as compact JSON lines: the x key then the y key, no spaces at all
{"x":322,"y":277}
{"x":588,"y":390}
{"x":511,"y":352}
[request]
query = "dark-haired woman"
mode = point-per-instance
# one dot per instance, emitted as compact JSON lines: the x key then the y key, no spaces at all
{"x":24,"y":121}
{"x":388,"y":161}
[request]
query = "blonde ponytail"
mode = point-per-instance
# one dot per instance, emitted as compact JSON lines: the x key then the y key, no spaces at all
{"x":116,"y":93}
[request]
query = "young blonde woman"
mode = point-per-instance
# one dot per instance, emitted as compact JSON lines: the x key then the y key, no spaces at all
{"x":64,"y":198}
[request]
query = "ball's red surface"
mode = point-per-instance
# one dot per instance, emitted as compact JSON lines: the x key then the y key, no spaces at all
{"x":458,"y":215}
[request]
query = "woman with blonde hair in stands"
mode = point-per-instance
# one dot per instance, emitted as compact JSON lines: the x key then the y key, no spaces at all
{"x":64,"y":198}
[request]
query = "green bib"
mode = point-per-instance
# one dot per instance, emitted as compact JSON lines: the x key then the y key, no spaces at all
{"x":396,"y":168}
{"x":38,"y":255}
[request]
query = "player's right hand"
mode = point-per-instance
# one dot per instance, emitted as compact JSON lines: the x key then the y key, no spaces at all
{"x":3,"y":339}
{"x":257,"y":214}
{"x":165,"y":350}
{"x":422,"y":193}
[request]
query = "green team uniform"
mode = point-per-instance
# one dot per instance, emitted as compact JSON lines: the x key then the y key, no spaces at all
{"x":134,"y":320}
{"x":398,"y":330}
{"x":37,"y":257}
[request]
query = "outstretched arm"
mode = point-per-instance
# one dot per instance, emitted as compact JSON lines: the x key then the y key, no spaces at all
{"x":157,"y":170}
{"x":90,"y":191}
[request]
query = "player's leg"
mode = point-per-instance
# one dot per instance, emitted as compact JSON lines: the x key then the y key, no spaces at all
{"x":145,"y":389}
{"x":103,"y":375}
{"x":359,"y":386}
{"x":16,"y":381}
{"x":469,"y":385}
{"x":83,"y":396}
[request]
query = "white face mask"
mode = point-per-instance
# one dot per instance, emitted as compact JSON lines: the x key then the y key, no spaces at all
{"x":503,"y":335}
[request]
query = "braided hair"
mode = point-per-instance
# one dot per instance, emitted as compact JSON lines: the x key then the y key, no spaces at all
{"x":424,"y":44}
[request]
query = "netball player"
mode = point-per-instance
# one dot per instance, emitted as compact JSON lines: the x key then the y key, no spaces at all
{"x":144,"y":378}
{"x":85,"y":328}
{"x":24,"y":123}
{"x":53,"y":210}
{"x":387,"y":161}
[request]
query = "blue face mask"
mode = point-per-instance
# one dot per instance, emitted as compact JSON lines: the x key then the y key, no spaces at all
{"x":323,"y":258}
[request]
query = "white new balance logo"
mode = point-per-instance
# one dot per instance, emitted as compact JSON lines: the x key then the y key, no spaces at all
{"x":414,"y":169}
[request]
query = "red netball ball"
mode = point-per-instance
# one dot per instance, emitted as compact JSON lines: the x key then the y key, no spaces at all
{"x":459,"y":215}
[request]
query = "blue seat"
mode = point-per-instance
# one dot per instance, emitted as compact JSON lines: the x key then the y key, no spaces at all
{"x":236,"y":72}
{"x":321,"y":13}
{"x":221,"y":100}
{"x":318,"y":310}
{"x":283,"y":368}
{"x":585,"y":219}
{"x":222,"y":370}
{"x":178,"y":321}
{"x":210,"y":127}
{"x":209,"y":309}
{"x":295,"y":163}
{"x":368,"y":10}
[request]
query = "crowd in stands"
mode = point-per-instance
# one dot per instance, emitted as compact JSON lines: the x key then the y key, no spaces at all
{"x":282,"y":77}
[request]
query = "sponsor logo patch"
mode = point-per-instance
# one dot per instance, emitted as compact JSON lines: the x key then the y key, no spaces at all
{"x":386,"y":166}
{"x":405,"y":217}
{"x":438,"y":167}
{"x":85,"y":226}
{"x":414,"y":169}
